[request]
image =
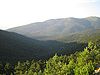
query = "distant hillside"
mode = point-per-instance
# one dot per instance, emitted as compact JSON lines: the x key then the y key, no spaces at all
{"x":15,"y":47}
{"x":56,"y":28}
{"x":85,"y":36}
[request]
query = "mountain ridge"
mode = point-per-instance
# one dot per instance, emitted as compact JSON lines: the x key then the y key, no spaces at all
{"x":57,"y":27}
{"x":16,"y":47}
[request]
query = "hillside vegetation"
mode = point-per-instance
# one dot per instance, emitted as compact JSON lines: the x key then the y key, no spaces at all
{"x":87,"y":35}
{"x":80,"y":63}
{"x":14,"y":47}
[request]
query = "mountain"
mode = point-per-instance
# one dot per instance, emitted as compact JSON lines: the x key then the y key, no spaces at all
{"x":61,"y":36}
{"x":55,"y":28}
{"x":85,"y":36}
{"x":15,"y":47}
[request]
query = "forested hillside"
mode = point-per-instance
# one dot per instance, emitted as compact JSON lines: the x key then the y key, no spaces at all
{"x":80,"y":63}
{"x":14,"y":47}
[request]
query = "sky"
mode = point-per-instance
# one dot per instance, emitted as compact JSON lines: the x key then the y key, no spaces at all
{"x":15,"y":13}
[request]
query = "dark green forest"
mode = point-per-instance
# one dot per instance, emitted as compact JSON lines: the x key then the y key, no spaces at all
{"x":83,"y":62}
{"x":15,"y":47}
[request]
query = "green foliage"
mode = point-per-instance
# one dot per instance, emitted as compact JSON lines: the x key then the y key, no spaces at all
{"x":79,"y":63}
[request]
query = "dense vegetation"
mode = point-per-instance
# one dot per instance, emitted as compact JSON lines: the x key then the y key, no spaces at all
{"x":14,"y":46}
{"x":79,"y":63}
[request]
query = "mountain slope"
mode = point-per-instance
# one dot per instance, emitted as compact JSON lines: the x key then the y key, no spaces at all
{"x":85,"y":36}
{"x":15,"y":47}
{"x":55,"y":28}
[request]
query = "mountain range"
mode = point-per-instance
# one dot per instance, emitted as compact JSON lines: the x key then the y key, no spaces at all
{"x":42,"y":40}
{"x":56,"y":28}
{"x":14,"y":47}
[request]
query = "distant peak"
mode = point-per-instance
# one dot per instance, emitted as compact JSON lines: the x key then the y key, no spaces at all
{"x":92,"y":17}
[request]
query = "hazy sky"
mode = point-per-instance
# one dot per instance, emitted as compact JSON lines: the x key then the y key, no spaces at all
{"x":21,"y":12}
